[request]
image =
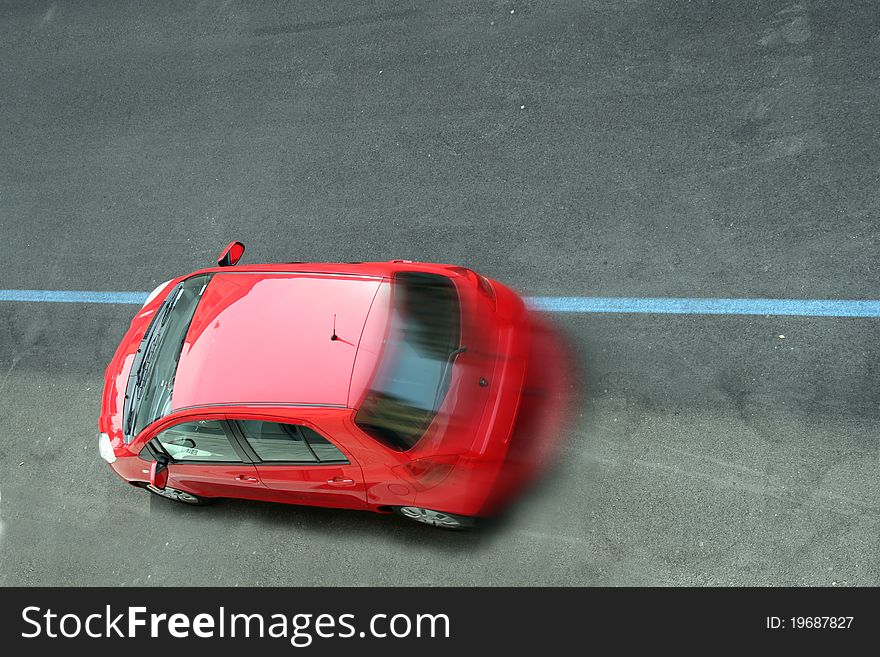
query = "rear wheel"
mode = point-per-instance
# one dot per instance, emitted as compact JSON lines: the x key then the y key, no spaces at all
{"x":435,"y":518}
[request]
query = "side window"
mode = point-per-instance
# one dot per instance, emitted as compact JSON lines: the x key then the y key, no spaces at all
{"x":202,"y":440}
{"x":276,"y":442}
{"x":273,"y":441}
{"x":323,"y":448}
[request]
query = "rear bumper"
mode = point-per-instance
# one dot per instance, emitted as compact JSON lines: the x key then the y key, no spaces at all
{"x":538,"y":431}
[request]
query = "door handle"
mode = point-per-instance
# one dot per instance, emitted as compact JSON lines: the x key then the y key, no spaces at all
{"x":341,"y":482}
{"x":247,"y":479}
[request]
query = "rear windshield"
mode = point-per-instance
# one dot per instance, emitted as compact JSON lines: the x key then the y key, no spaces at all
{"x":415,"y":369}
{"x":151,"y":382}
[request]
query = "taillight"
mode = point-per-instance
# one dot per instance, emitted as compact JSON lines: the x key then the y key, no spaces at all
{"x":482,"y":283}
{"x":486,"y":288}
{"x":429,"y":471}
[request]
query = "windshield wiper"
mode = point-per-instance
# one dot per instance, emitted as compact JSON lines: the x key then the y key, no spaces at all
{"x":449,"y":360}
{"x":155,"y":332}
{"x":150,"y":344}
{"x":169,"y":386}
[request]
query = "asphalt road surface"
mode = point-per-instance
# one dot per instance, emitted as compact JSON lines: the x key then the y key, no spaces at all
{"x":612,"y":148}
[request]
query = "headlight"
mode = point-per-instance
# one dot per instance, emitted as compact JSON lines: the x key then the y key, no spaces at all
{"x":105,"y":449}
{"x":155,"y":292}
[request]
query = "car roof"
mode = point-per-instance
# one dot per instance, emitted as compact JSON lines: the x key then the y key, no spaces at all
{"x":264,"y":337}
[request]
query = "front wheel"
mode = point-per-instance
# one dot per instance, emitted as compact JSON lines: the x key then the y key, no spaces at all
{"x":435,"y":518}
{"x":177,"y":495}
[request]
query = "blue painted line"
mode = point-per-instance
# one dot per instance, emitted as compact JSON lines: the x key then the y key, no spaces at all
{"x":697,"y":306}
{"x":73,"y":296}
{"x":641,"y":305}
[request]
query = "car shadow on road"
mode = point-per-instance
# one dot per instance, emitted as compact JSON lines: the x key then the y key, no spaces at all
{"x":311,"y":520}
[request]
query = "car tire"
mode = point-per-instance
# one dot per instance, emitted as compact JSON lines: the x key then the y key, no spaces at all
{"x":177,"y":495}
{"x":435,"y":518}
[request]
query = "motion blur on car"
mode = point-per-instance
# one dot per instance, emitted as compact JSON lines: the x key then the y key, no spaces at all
{"x":426,"y":390}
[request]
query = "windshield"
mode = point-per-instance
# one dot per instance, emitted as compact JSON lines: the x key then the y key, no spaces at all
{"x":414,"y":373}
{"x":148,"y":395}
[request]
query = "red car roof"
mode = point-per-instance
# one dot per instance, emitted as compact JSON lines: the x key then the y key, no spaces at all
{"x":265,"y":337}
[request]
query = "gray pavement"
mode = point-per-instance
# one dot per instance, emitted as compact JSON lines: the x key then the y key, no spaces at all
{"x":630,"y":148}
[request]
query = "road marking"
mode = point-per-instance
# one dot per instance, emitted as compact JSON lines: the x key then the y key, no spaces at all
{"x":705,"y":306}
{"x":640,"y":305}
{"x":73,"y":296}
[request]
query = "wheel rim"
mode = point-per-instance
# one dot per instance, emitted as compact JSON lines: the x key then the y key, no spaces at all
{"x":430,"y":517}
{"x":174,"y":494}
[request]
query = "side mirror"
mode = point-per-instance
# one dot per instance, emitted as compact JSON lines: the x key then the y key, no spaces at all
{"x":231,"y":254}
{"x":159,"y":474}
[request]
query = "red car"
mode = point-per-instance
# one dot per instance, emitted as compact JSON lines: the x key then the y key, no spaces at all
{"x":384,"y":386}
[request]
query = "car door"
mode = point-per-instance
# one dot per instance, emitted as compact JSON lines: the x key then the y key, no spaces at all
{"x":300,"y":465}
{"x":207,"y":460}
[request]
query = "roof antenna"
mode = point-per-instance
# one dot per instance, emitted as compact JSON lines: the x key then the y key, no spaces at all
{"x":334,"y":337}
